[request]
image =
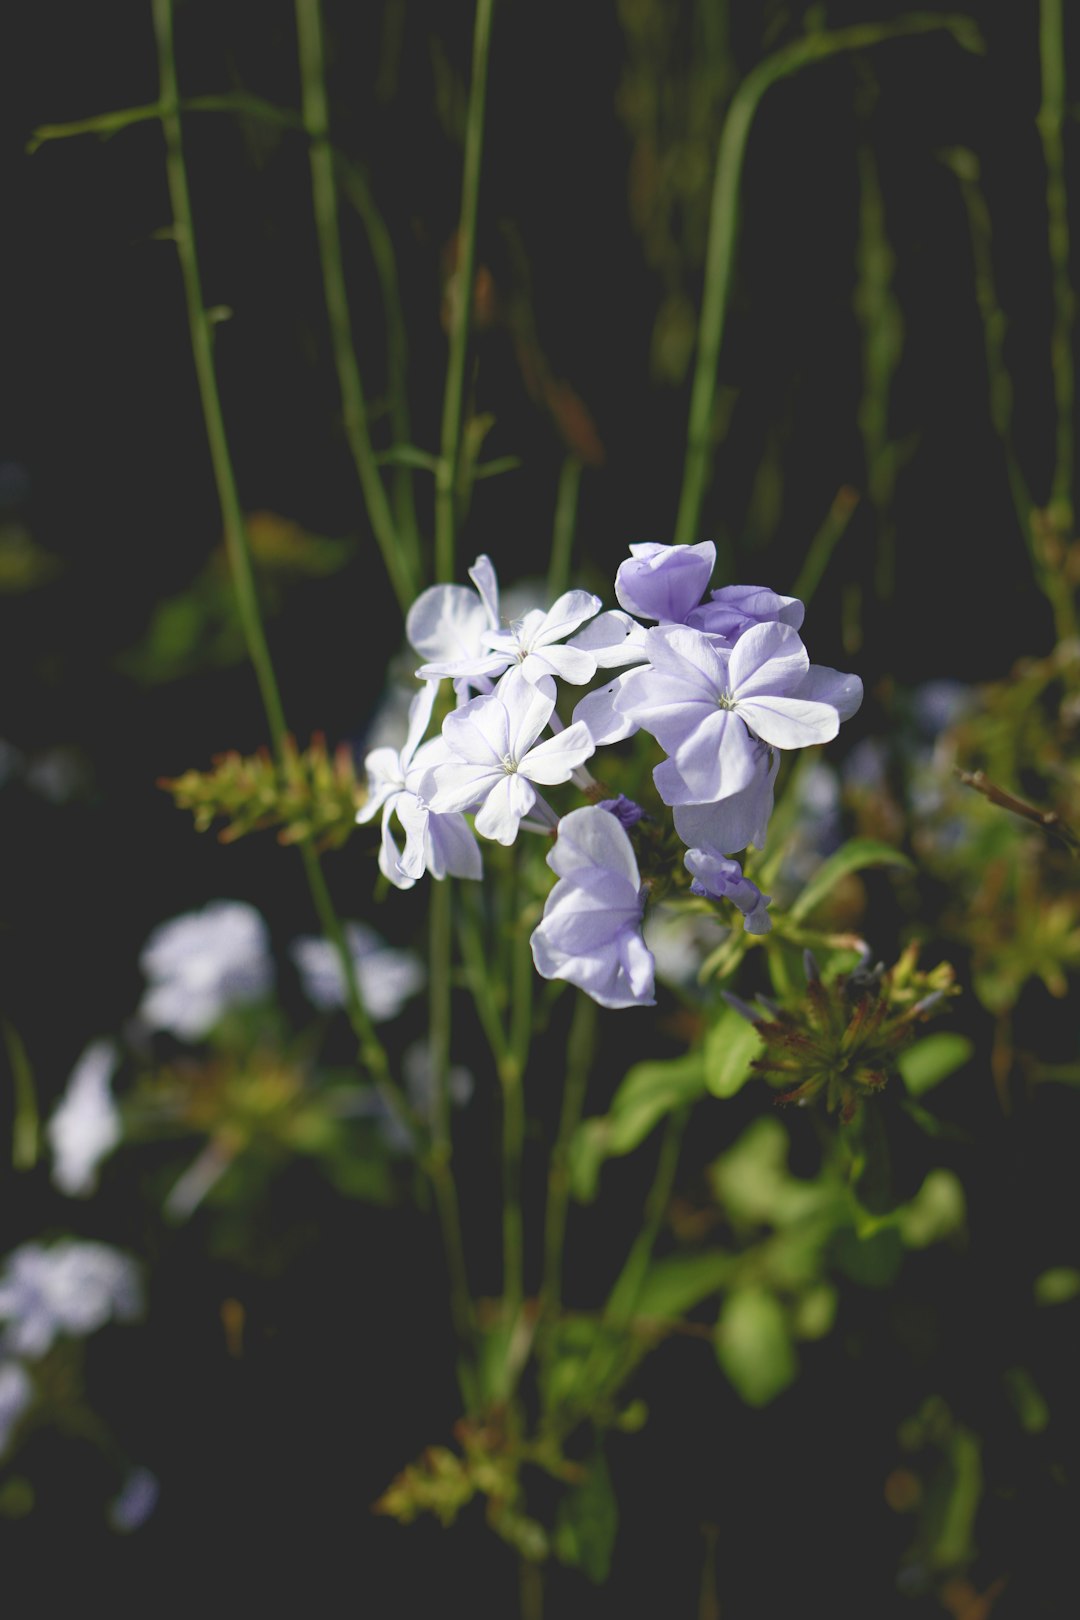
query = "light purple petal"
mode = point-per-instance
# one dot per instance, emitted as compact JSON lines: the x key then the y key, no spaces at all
{"x":566,"y":614}
{"x":638,"y":967}
{"x":589,"y":839}
{"x":502,"y":810}
{"x":419,"y":717}
{"x":390,"y":856}
{"x":824,"y":685}
{"x":528,"y":706}
{"x":479,"y":731}
{"x":731,"y":823}
{"x":568,"y":663}
{"x":664,"y":582}
{"x":614,"y":639}
{"x":597,"y":711}
{"x":451,"y":848}
{"x":717,"y":758}
{"x":767,"y":658}
{"x":554,"y":759}
{"x":482,"y":573}
{"x":481,"y":666}
{"x":789,"y":722}
{"x":459,"y":785}
{"x":385,"y":778}
{"x":734,"y":608}
{"x":447,"y":621}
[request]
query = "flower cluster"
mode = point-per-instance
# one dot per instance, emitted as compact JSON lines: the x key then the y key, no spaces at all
{"x":723,"y":683}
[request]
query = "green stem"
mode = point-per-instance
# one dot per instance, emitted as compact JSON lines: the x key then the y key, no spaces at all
{"x":446,"y":478}
{"x":624,"y":1296}
{"x":1050,"y":119}
{"x":724,"y":222}
{"x":401,"y":563}
{"x":478,"y":973}
{"x":531,"y":1589}
{"x":26,"y":1126}
{"x":562,"y":537}
{"x":440,"y":1158}
{"x":824,"y":543}
{"x":236,"y":539}
{"x":511,"y":1077}
{"x":579,"y":1052}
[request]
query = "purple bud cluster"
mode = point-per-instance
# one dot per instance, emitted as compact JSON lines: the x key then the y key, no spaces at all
{"x":721,"y":681}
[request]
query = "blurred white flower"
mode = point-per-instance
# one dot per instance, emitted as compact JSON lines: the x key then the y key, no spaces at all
{"x":72,"y":1287}
{"x":136,"y":1501}
{"x":85,"y":1125}
{"x":680,"y":941}
{"x":16,"y":1394}
{"x":387,"y":977}
{"x":201,"y":964}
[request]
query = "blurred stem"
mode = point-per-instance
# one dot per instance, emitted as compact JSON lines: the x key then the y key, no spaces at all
{"x":478,"y":971}
{"x":511,"y":1078}
{"x":579,"y":1052}
{"x":446,"y":477}
{"x":531,"y":1589}
{"x":440,"y":1157}
{"x":882,"y":327}
{"x":237,"y":545}
{"x":724,"y":221}
{"x":26,"y":1125}
{"x":562,"y":537}
{"x":824,"y":543}
{"x":400,"y":552}
{"x":1050,"y":120}
{"x":624,"y":1296}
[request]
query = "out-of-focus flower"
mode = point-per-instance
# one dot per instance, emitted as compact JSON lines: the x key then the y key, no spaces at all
{"x":387,"y":977}
{"x":85,"y":1125}
{"x":590,"y":933}
{"x":16,"y":1395}
{"x":451,"y":623}
{"x":70,"y":1288}
{"x":201,"y":964}
{"x":136,"y":1501}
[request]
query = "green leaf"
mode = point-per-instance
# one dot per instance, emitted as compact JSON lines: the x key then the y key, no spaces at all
{"x":587,"y":1522}
{"x":492,"y":469}
{"x":731,"y":1046}
{"x":647,"y":1093}
{"x":674,"y":1286}
{"x":1057,"y":1286}
{"x":873,"y":1260}
{"x":936,"y":1212}
{"x":753,"y":1345}
{"x":407,"y":455}
{"x":853,"y":856}
{"x":933,"y":1059}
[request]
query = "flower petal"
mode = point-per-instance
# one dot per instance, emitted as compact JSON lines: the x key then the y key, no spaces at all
{"x":501,"y":812}
{"x":790,"y":722}
{"x":597,"y":711}
{"x":767,"y":658}
{"x":556,"y":758}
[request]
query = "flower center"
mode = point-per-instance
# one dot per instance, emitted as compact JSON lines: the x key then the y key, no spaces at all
{"x":725,"y":701}
{"x":509,"y":764}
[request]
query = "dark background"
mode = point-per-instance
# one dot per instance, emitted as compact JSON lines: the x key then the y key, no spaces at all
{"x":269,"y":1463}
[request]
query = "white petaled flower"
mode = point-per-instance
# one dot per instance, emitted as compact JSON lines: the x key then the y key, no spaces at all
{"x":494,"y":757}
{"x":85,"y":1125}
{"x":387,"y":977}
{"x":71,"y":1288}
{"x":450,"y":624}
{"x":202,"y":964}
{"x":531,"y":642}
{"x":590,"y":933}
{"x":440,"y":844}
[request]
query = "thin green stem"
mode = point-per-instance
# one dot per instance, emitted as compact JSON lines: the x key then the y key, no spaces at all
{"x":824,"y":543}
{"x":579,"y":1052}
{"x":531,"y":1589}
{"x":236,"y":538}
{"x":26,"y":1126}
{"x":402,"y":564}
{"x":440,"y":1158}
{"x":562,"y":537}
{"x":1050,"y":119}
{"x":478,"y":973}
{"x":110,"y":123}
{"x":624,"y":1296}
{"x":511,"y":1077}
{"x":724,"y":222}
{"x":446,"y":478}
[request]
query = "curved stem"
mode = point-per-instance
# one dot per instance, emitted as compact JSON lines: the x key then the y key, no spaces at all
{"x":724,"y":221}
{"x":446,"y":477}
{"x":398,"y":553}
{"x":562,"y":538}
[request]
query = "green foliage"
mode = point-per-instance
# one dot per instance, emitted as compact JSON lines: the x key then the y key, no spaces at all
{"x":753,"y":1345}
{"x":854,"y":856}
{"x":732,"y":1046}
{"x":647,"y":1094}
{"x":587,"y":1522}
{"x":311,"y":794}
{"x":932,"y":1060}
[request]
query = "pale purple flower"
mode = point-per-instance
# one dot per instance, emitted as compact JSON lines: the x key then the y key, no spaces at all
{"x":494,"y":757}
{"x":387,"y":977}
{"x":734,"y":608}
{"x":716,"y":878}
{"x":202,"y":964}
{"x":451,"y":623}
{"x":440,"y":844}
{"x":614,"y":639}
{"x":706,"y":705}
{"x":727,"y":824}
{"x":71,"y":1288}
{"x":16,"y":1395}
{"x":85,"y":1125}
{"x":665,"y":582}
{"x":137,"y":1499}
{"x":597,"y":711}
{"x":590,"y":933}
{"x":625,"y":811}
{"x":531,"y":642}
